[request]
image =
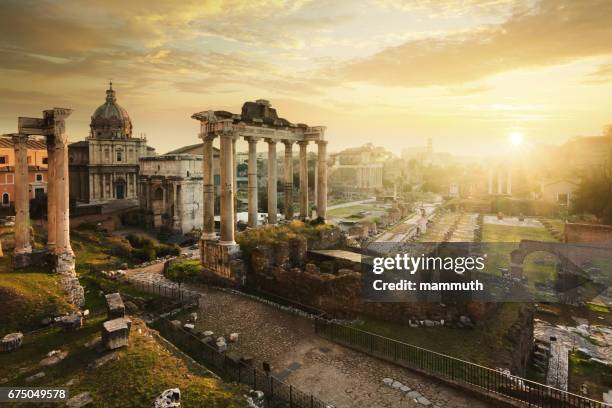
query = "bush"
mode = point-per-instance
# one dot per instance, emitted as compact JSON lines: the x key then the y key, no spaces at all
{"x":144,"y":254}
{"x":120,"y":247}
{"x":181,"y":272}
{"x":168,"y":250}
{"x":140,"y":241}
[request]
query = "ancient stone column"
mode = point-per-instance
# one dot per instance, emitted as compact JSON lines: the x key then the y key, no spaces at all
{"x":208,"y":224}
{"x":235,"y":181}
{"x":62,"y":236}
{"x":252,"y":171}
{"x":490,"y":181}
{"x":303,"y":179}
{"x":272,"y":180}
{"x":51,"y":195}
{"x":509,"y":183}
{"x":288,"y":179}
{"x":22,"y":199}
{"x":322,"y":179}
{"x":227,"y":193}
{"x":499,"y":182}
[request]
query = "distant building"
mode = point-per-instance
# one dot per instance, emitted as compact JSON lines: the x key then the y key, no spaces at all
{"x":358,"y":168}
{"x":559,"y":191}
{"x":104,"y":167}
{"x":171,"y":190}
{"x":37,"y":172}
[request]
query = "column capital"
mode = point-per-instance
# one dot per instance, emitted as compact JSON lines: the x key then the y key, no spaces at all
{"x":228,"y":135}
{"x":207,"y":137}
{"x":252,"y":139}
{"x":321,"y":142}
{"x":288,"y":143}
{"x":303,"y":142}
{"x":19,"y":138}
{"x":271,"y":141}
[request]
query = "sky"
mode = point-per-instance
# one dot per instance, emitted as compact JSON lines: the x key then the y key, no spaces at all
{"x":466,"y":73}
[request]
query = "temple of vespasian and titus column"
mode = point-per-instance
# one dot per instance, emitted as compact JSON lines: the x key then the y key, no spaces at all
{"x":52,"y":127}
{"x":258,"y":121}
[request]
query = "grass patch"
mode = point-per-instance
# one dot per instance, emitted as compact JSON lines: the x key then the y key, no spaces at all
{"x":27,"y":297}
{"x":596,"y":376}
{"x":488,"y":345}
{"x":142,"y":371}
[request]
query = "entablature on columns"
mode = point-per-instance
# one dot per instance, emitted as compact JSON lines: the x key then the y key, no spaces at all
{"x":222,"y":123}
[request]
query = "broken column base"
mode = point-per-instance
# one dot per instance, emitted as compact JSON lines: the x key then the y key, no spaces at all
{"x":22,"y":259}
{"x":116,"y":332}
{"x":63,"y":263}
{"x":222,"y":262}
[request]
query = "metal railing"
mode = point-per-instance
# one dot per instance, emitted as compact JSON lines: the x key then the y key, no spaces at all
{"x":463,"y":373}
{"x":277,"y":393}
{"x":173,"y":292}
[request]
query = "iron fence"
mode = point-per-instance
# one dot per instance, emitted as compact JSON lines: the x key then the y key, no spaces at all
{"x":174,"y":292}
{"x":277,"y":393}
{"x":457,"y":371}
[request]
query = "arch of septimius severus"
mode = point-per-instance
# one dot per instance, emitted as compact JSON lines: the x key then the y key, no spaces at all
{"x":218,"y":255}
{"x":52,"y":126}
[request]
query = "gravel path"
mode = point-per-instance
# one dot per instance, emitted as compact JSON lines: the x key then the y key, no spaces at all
{"x":336,"y":374}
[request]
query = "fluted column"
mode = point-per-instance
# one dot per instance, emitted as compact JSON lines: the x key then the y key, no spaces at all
{"x":22,"y":200}
{"x":288,"y":165}
{"x":235,"y":180}
{"x":208,"y":222}
{"x":51,"y":195}
{"x":62,"y":237}
{"x":303,"y":179}
{"x":272,"y":181}
{"x":253,"y":197}
{"x":322,"y":179}
{"x":227,"y":193}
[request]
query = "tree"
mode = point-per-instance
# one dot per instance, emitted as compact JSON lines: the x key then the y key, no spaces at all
{"x":594,"y":196}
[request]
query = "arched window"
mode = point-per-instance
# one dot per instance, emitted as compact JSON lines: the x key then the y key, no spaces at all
{"x":6,"y":199}
{"x":159,"y":194}
{"x":119,"y":155}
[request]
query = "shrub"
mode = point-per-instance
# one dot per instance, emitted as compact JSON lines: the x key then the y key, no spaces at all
{"x":144,"y":254}
{"x":140,"y":241}
{"x":120,"y":247}
{"x":181,"y":272}
{"x":168,"y":250}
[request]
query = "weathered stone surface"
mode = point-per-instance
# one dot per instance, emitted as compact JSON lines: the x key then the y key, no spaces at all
{"x":170,"y":398}
{"x":53,"y":357}
{"x":11,"y":341}
{"x":35,"y":377}
{"x":80,"y":400}
{"x":115,"y":333}
{"x":71,"y":322}
{"x":99,"y":362}
{"x":233,"y":337}
{"x":115,"y":306}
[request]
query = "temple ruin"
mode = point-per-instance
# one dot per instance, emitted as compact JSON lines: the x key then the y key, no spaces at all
{"x":257,"y":121}
{"x":52,"y":127}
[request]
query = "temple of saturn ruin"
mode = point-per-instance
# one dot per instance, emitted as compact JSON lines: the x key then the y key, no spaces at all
{"x":52,"y":126}
{"x":258,"y":121}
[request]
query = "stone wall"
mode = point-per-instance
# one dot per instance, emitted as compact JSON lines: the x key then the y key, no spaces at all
{"x":587,"y":233}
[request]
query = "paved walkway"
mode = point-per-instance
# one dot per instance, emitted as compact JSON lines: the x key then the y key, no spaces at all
{"x":336,"y":374}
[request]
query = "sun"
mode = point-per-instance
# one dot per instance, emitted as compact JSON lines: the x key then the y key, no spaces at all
{"x":516,"y":138}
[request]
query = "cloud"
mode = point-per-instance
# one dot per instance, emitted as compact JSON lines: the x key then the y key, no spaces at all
{"x":602,"y":75}
{"x":551,"y":33}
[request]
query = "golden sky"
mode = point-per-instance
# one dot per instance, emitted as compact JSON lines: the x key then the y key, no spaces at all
{"x":391,"y":72}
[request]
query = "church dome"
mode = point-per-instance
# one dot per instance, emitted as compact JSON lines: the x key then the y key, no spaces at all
{"x":111,"y":121}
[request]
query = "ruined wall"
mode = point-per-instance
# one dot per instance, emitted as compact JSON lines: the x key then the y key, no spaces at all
{"x":587,"y":233}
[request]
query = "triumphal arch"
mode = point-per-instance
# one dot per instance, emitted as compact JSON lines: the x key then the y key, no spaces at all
{"x":257,"y":121}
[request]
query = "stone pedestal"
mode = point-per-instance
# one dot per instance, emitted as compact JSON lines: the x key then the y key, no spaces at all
{"x":11,"y":342}
{"x":222,"y":261}
{"x":116,"y":333}
{"x":72,"y":322}
{"x":114,"y":306}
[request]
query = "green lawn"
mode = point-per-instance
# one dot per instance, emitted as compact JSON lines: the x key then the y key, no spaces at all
{"x":487,"y":345}
{"x":352,"y":211}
